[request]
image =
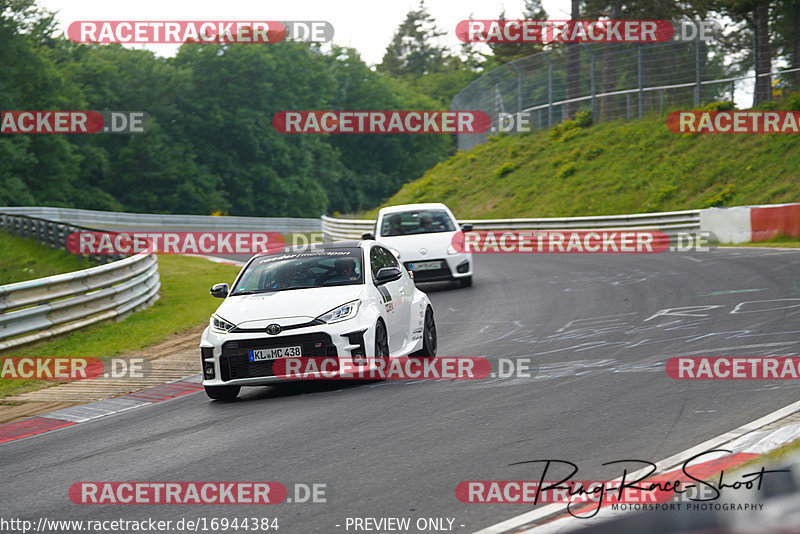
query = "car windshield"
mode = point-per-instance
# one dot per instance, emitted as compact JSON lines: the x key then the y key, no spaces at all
{"x":301,"y":270}
{"x":416,"y":222}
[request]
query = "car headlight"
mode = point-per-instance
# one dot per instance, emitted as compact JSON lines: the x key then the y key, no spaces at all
{"x":451,"y":249}
{"x":343,"y":312}
{"x":220,"y":325}
{"x":395,"y":252}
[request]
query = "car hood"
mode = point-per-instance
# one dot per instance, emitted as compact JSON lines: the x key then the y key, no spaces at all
{"x":411,"y":246}
{"x":287,"y":307}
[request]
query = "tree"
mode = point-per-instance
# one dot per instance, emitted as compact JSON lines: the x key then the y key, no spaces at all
{"x":756,"y":14}
{"x":507,"y":52}
{"x":414,"y":49}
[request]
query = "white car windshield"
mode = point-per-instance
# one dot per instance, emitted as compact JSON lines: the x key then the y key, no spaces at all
{"x":302,"y":270}
{"x":416,"y":222}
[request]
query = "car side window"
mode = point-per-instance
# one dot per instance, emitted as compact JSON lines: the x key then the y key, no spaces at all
{"x":376,"y":261}
{"x":389,"y":259}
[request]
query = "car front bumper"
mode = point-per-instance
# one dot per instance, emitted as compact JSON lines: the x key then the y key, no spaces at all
{"x":454,"y":267}
{"x":225,"y":357}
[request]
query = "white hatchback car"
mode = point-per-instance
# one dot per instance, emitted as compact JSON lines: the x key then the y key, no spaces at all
{"x":350,"y":300}
{"x":421,"y":236}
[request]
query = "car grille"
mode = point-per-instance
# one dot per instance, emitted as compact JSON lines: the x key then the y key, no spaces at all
{"x":421,"y":276}
{"x":235,"y":360}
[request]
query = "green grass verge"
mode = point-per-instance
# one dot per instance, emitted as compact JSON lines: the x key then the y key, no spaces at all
{"x":25,"y":259}
{"x":781,"y":241}
{"x":184,"y":304}
{"x":610,"y":168}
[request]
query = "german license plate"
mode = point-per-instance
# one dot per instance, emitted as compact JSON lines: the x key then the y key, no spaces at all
{"x":425,"y":265}
{"x":259,"y":355}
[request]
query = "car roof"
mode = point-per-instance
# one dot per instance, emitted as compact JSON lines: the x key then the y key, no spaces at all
{"x":412,"y":207}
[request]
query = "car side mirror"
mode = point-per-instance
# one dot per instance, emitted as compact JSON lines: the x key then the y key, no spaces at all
{"x":220,"y":290}
{"x":368,"y":235}
{"x":467,"y":227}
{"x":388,"y":274}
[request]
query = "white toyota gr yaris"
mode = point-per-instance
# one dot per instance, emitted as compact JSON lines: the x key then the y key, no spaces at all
{"x":350,"y":300}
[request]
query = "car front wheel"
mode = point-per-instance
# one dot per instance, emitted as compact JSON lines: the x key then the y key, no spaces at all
{"x":466,"y":281}
{"x":223,"y":393}
{"x":429,"y":340}
{"x":381,"y":341}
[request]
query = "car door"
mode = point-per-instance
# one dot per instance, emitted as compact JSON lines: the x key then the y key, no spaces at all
{"x":403,"y":289}
{"x":395,"y":297}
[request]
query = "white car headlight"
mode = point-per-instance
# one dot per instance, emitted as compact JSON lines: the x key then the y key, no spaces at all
{"x":343,"y":312}
{"x":395,"y":252}
{"x":220,"y":325}
{"x":451,"y":249}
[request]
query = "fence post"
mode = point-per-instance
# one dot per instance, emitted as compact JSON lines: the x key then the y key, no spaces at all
{"x":698,"y":91}
{"x":640,"y":75}
{"x":549,"y":89}
{"x":592,"y":78}
{"x":519,"y":88}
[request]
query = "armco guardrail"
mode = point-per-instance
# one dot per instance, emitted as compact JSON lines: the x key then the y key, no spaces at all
{"x":668,"y":222}
{"x":110,"y":220}
{"x":45,"y":307}
{"x":41,"y":308}
{"x":52,"y":234}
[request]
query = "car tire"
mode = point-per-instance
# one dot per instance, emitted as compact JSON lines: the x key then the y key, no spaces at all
{"x":429,"y":339}
{"x":223,"y":393}
{"x":466,"y":281}
{"x":381,"y":341}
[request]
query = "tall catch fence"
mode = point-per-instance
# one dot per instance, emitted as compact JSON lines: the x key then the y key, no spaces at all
{"x":615,"y":81}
